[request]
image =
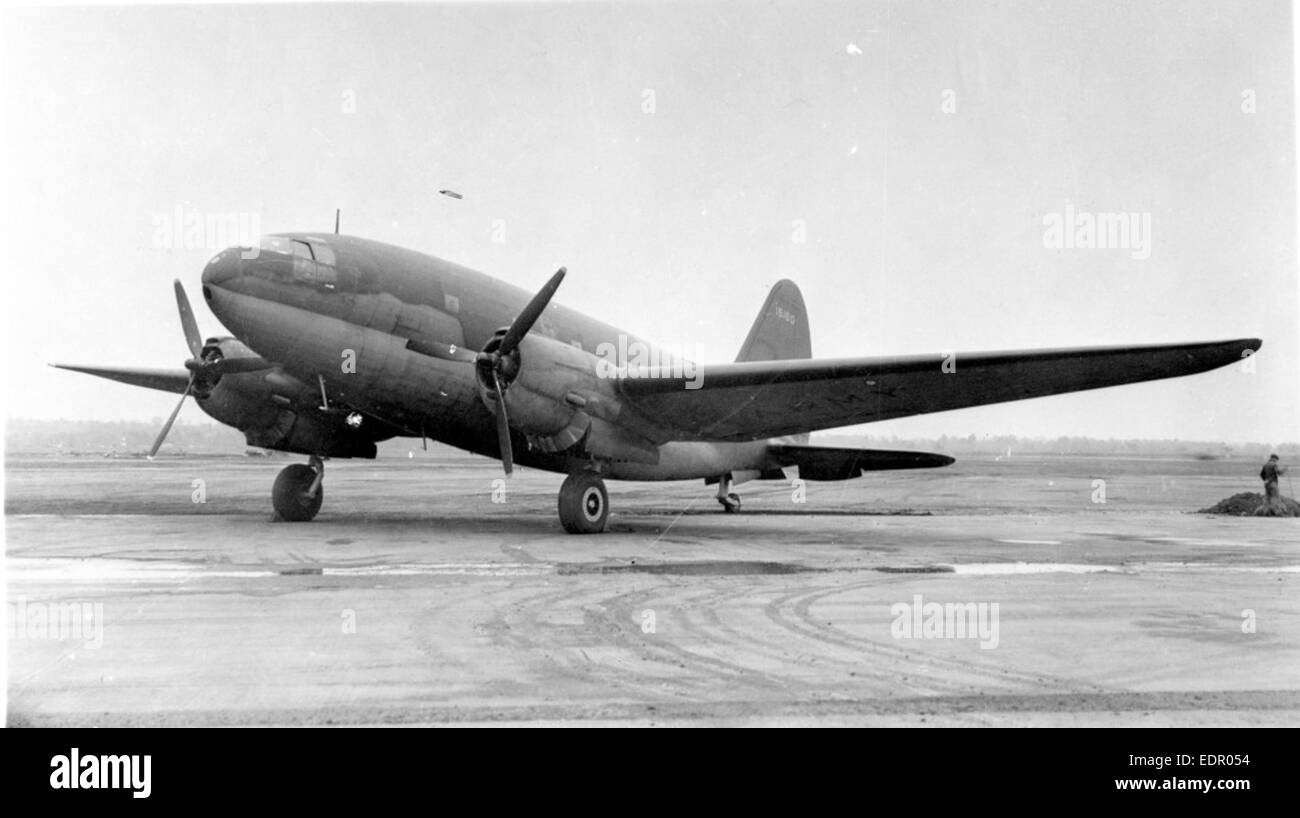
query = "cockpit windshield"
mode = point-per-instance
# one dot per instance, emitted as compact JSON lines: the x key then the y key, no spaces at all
{"x":313,"y":261}
{"x":309,"y":260}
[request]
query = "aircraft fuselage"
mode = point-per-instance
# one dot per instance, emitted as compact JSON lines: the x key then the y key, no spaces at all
{"x":353,"y":314}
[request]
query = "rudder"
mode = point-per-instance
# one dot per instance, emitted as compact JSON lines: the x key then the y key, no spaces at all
{"x":781,"y":331}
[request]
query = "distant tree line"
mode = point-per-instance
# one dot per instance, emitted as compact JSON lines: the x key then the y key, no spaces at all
{"x":100,"y":437}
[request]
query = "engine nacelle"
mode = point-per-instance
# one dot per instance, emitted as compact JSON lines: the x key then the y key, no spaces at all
{"x":276,"y":411}
{"x":563,"y":399}
{"x":545,"y":374}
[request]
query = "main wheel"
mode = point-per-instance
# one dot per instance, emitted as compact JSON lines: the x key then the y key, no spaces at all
{"x":731,"y":503}
{"x":289,"y":496}
{"x":584,"y":503}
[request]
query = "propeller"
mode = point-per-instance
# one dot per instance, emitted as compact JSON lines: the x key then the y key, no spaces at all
{"x":188,"y":325}
{"x":207,"y":362}
{"x":167,"y":427}
{"x":498,"y":363}
{"x":503,"y":428}
{"x":530,"y":314}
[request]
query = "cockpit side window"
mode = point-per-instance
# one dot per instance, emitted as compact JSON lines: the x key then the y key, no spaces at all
{"x":314,"y":265}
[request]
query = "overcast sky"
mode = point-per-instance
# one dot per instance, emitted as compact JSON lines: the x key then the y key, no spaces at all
{"x":897,"y":161}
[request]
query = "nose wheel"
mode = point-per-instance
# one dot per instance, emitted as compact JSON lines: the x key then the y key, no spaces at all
{"x":298,"y":493}
{"x":584,"y":503}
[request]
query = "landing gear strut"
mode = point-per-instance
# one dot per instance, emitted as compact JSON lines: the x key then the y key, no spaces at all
{"x":298,"y":493}
{"x":729,"y":500}
{"x":584,"y":503}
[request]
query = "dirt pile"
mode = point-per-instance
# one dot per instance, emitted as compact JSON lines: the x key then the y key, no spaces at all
{"x":1249,"y":503}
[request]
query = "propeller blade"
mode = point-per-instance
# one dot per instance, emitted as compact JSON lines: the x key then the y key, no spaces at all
{"x":167,"y":427}
{"x":530,"y":315}
{"x":188,"y":324}
{"x":503,"y":428}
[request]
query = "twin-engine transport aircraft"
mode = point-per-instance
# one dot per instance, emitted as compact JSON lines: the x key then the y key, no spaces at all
{"x":340,"y":342}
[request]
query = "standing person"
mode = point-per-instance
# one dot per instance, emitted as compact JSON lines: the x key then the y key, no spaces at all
{"x":1272,"y":497}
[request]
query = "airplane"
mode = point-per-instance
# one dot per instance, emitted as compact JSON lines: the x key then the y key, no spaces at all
{"x":339,"y":342}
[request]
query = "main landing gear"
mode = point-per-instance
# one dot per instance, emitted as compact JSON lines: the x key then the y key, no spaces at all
{"x":730,"y":501}
{"x":584,"y":503}
{"x":298,"y":493}
{"x":583,"y":500}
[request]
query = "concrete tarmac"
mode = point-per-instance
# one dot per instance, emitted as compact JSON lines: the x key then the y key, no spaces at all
{"x":428,"y":593}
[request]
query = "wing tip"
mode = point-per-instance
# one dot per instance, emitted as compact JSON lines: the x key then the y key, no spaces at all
{"x":1233,"y":351}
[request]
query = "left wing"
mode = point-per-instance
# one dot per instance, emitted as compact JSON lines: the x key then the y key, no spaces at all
{"x":762,"y":399}
{"x":166,"y":380}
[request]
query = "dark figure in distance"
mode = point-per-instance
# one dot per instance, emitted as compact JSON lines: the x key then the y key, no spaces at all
{"x":1272,"y":497}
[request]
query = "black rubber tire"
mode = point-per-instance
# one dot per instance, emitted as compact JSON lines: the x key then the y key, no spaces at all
{"x":733,"y":506}
{"x":584,"y":503}
{"x":289,"y":495}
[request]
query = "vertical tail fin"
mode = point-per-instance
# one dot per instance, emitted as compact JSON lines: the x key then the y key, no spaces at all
{"x":781,"y":330}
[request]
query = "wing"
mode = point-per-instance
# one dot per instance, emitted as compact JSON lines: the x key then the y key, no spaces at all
{"x":166,"y":380}
{"x":752,"y":401}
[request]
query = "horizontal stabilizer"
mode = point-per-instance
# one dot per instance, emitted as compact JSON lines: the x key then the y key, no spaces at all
{"x":830,"y":463}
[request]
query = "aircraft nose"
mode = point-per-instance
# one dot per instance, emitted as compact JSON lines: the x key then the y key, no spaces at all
{"x":223,"y":267}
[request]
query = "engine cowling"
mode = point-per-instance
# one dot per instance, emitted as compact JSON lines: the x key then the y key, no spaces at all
{"x":276,"y":411}
{"x":564,"y":399}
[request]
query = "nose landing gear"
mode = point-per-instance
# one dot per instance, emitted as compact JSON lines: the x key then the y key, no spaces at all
{"x":298,"y":493}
